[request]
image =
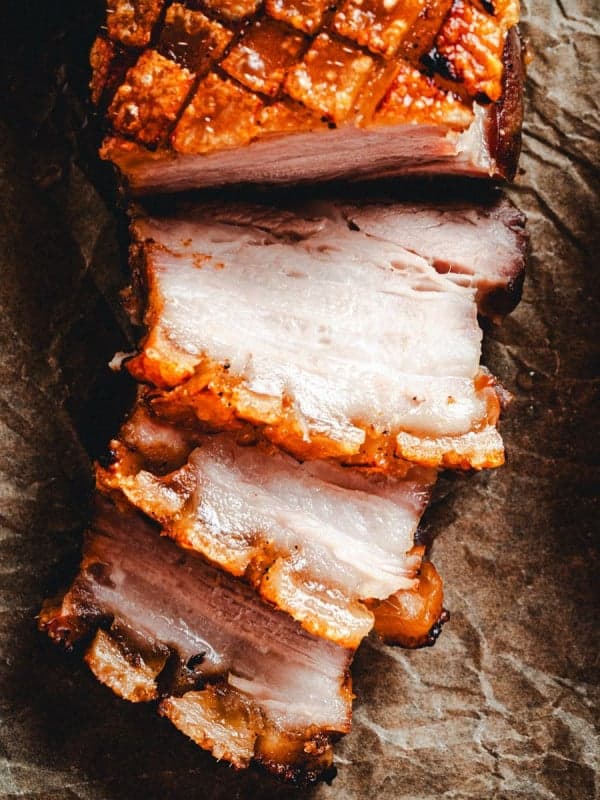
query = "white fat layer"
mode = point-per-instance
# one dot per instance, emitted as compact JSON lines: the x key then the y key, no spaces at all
{"x":351,"y":328}
{"x":184,"y":603}
{"x":352,"y":533}
{"x":473,"y":245}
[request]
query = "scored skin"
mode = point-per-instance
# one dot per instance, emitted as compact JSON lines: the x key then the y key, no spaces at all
{"x":332,"y":79}
{"x":471,"y":43}
{"x":192,"y":387}
{"x":159,"y":470}
{"x":217,"y":712}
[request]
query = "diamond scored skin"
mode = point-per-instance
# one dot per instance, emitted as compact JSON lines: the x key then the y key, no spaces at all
{"x":360,"y":70}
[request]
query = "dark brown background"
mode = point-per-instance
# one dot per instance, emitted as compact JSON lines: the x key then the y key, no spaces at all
{"x":505,"y":705}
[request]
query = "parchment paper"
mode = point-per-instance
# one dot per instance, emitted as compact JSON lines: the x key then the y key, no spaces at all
{"x":506,"y":703}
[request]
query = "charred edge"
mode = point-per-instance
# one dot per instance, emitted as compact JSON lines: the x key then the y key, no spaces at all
{"x":177,"y":677}
{"x":505,"y":118}
{"x":435,"y":63}
{"x":117,"y":67}
{"x":436,"y":629}
{"x":502,"y":301}
{"x":308,"y":765}
{"x":300,"y":776}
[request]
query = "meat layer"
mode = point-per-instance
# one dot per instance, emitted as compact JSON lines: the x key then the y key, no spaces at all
{"x":315,"y":539}
{"x":241,"y":679}
{"x":254,"y":315}
{"x":285,"y":91}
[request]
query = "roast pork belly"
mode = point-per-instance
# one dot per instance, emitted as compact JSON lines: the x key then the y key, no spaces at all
{"x":241,"y":679}
{"x":234,"y":91}
{"x":336,"y":340}
{"x":316,"y":539}
{"x":480,"y":244}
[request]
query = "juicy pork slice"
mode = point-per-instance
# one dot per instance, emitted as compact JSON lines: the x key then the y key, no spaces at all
{"x":481,"y":245}
{"x":337,"y":341}
{"x":239,"y":678}
{"x":320,"y":541}
{"x":301,"y":90}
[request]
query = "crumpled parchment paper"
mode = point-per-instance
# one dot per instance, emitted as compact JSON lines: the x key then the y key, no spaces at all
{"x":505,"y":705}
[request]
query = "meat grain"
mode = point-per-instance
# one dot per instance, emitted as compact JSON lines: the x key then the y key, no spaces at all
{"x":239,"y":678}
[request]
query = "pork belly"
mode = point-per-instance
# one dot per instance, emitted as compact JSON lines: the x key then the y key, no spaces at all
{"x":301,"y":90}
{"x":320,"y":541}
{"x":337,"y":342}
{"x":481,"y":245}
{"x":239,"y":678}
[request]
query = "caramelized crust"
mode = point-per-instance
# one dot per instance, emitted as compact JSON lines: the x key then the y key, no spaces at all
{"x":414,"y":97}
{"x":233,"y":10}
{"x":131,"y":21}
{"x":191,"y":39}
{"x":380,"y":25}
{"x":409,"y":617}
{"x":147,"y":104}
{"x":101,"y":59}
{"x":305,"y":15}
{"x":220,"y":115}
{"x":471,"y":44}
{"x":109,"y":62}
{"x":419,"y":40}
{"x":330,"y":77}
{"x":240,"y":679}
{"x":361,"y":65}
{"x":262,"y":55}
{"x":286,"y":116}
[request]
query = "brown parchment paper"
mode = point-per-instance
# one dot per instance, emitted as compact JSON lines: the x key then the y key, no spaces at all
{"x":505,"y":705}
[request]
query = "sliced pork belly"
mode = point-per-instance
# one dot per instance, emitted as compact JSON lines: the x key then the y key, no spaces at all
{"x":316,"y":539}
{"x":287,"y":91}
{"x":241,"y":679}
{"x":481,"y":245}
{"x":337,"y":343}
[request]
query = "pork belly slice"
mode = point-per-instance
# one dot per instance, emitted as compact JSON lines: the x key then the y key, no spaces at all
{"x":335,"y":342}
{"x":315,"y":539}
{"x":303,"y":90}
{"x":482,"y":245}
{"x":241,"y":679}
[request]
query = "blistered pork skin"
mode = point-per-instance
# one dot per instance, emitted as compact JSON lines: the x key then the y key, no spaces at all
{"x":287,"y":91}
{"x":336,"y":343}
{"x":241,"y":679}
{"x":316,"y":539}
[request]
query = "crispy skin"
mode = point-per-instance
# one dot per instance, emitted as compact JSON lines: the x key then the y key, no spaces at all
{"x":505,"y":121}
{"x":145,"y":630}
{"x":421,"y":70}
{"x":131,"y":22}
{"x":213,"y":397}
{"x":471,"y":43}
{"x":416,"y":97}
{"x":410,"y":616}
{"x":220,"y":114}
{"x":194,"y":385}
{"x":319,"y":566}
{"x":262,"y":55}
{"x":420,"y":38}
{"x":148,"y":102}
{"x":191,"y":39}
{"x":379,"y":25}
